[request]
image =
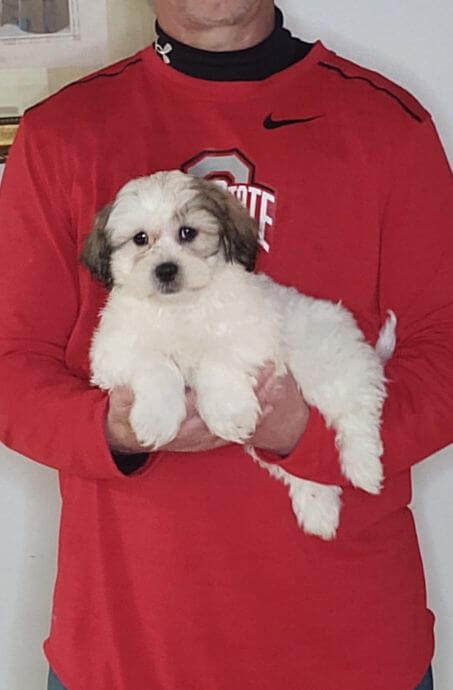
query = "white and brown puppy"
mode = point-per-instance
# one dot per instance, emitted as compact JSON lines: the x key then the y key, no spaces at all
{"x":186,"y":310}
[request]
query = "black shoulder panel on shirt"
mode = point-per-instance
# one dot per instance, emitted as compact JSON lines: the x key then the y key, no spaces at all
{"x":101,"y":74}
{"x":375,"y":86}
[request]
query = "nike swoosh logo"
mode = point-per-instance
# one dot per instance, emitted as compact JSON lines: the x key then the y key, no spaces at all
{"x":269,"y":123}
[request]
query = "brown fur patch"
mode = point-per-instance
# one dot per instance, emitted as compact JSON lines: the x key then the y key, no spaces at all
{"x":239,"y":232}
{"x":97,"y":251}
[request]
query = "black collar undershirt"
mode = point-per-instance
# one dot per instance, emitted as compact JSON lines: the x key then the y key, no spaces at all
{"x":277,"y":52}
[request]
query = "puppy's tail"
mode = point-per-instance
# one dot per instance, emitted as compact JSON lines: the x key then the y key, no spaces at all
{"x":387,"y":338}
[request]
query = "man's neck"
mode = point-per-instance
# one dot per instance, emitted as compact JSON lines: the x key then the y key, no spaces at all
{"x":275,"y":53}
{"x":245,"y":34}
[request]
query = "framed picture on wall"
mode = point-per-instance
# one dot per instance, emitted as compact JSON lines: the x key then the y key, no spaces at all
{"x":52,"y":33}
{"x":46,"y":44}
{"x":8,"y":129}
{"x":43,"y":38}
{"x":22,"y":19}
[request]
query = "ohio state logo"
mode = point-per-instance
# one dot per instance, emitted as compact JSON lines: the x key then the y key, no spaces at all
{"x":233,"y":171}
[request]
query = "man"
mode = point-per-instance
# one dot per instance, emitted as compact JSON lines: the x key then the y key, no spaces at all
{"x":184,"y":568}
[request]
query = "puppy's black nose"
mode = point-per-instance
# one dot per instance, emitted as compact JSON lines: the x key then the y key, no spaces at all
{"x":166,"y":272}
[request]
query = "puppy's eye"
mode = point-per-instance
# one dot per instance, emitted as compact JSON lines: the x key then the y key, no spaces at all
{"x":141,"y":238}
{"x":187,"y":234}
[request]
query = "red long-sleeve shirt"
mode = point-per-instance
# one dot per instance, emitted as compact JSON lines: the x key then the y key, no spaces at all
{"x":192,"y":572}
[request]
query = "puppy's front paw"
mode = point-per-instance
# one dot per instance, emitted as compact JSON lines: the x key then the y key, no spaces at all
{"x":230,"y":415}
{"x":155,"y":425}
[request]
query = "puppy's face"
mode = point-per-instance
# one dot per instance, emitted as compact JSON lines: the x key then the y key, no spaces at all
{"x":167,"y":234}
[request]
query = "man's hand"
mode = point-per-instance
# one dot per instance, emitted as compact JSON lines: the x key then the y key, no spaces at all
{"x":282,"y":422}
{"x":284,"y":413}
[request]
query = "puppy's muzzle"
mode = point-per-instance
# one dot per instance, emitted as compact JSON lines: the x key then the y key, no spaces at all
{"x":166,"y":272}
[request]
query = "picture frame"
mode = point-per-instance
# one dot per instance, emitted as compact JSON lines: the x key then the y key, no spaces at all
{"x":36,"y":60}
{"x":56,"y":35}
{"x":8,"y":130}
{"x":37,"y":19}
{"x":45,"y":45}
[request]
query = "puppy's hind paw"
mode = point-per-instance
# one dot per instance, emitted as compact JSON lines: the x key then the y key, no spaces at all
{"x":361,"y":464}
{"x":368,"y":477}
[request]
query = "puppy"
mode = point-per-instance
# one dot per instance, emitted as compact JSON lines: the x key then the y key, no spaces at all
{"x":186,"y":310}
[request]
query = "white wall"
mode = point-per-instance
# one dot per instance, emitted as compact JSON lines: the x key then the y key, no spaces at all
{"x":410,"y":41}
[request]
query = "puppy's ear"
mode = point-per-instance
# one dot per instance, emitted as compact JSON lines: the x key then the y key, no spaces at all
{"x":97,"y":251}
{"x":239,"y":232}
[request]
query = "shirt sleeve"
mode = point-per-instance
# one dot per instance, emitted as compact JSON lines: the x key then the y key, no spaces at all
{"x":46,"y":412}
{"x":416,"y":282}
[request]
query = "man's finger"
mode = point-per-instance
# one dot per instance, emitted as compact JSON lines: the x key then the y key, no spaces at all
{"x":121,"y":397}
{"x":191,"y":404}
{"x":265,"y":374}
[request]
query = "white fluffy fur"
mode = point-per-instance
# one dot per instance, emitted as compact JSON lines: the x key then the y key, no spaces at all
{"x":215,"y":332}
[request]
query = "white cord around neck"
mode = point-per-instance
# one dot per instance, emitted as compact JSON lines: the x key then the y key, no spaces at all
{"x":163,"y":51}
